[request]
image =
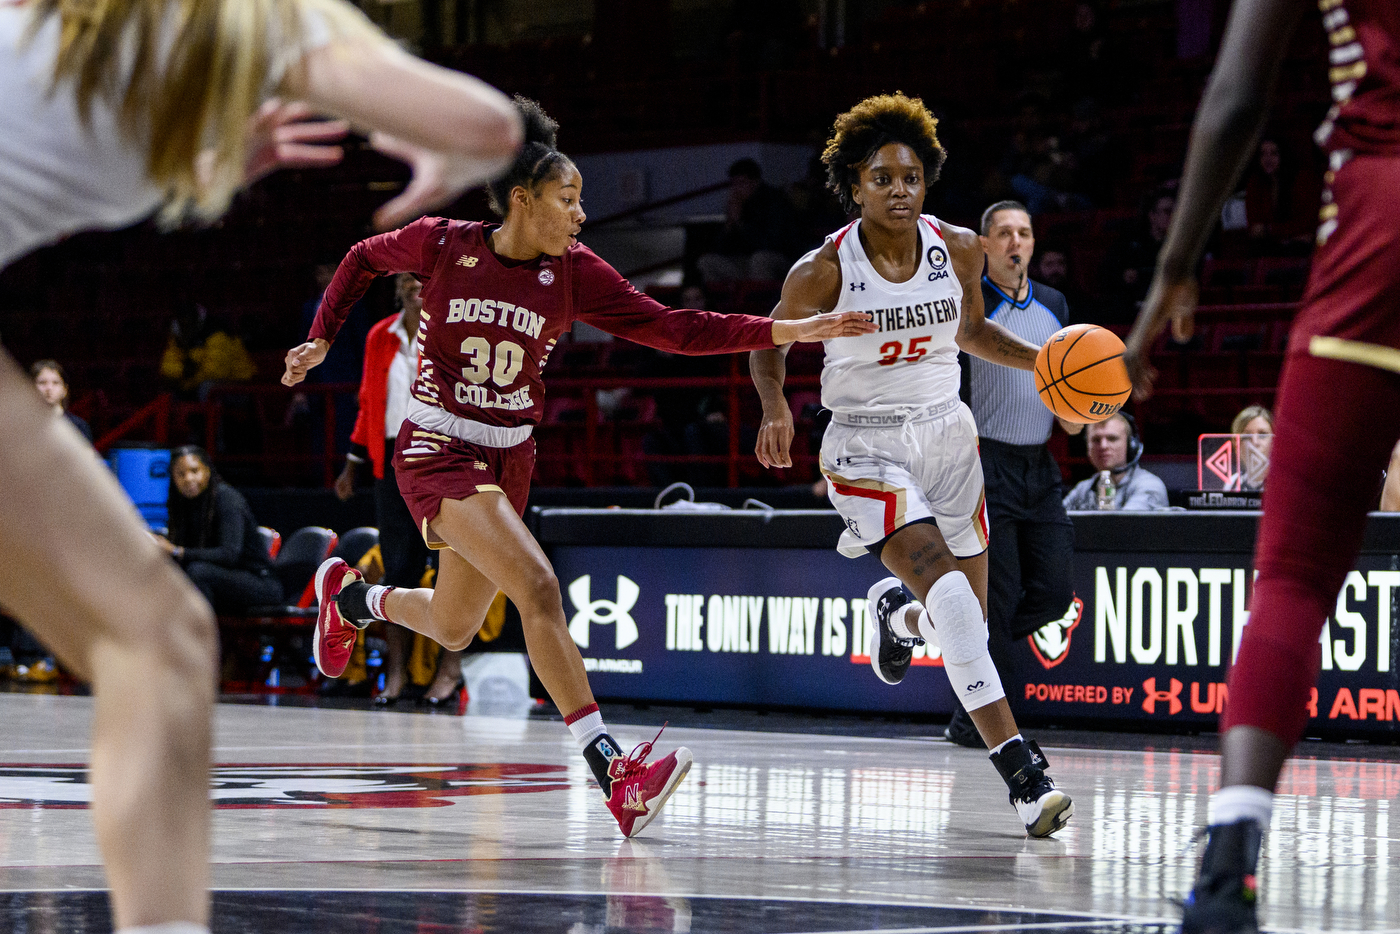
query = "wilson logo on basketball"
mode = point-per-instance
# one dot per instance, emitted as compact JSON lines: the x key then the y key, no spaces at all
{"x":1080,"y":374}
{"x":302,"y":786}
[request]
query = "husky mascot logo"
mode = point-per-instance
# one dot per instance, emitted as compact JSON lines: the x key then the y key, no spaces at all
{"x":618,"y":612}
{"x":1050,"y":642}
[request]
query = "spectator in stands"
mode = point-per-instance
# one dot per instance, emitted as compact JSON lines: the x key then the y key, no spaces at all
{"x":816,"y":209}
{"x":1256,"y":424}
{"x":1097,"y":161}
{"x":1052,"y":268}
{"x":1115,"y":448}
{"x":52,"y":384}
{"x":1253,"y":420}
{"x":200,"y":353}
{"x":1046,"y":180}
{"x":1390,"y":492}
{"x":1132,"y":263}
{"x":685,"y":415}
{"x":1280,"y":211}
{"x":757,"y":242}
{"x":391,"y":364}
{"x":214,"y":537}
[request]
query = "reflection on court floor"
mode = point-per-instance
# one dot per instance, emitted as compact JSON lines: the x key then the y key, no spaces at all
{"x":363,"y":821}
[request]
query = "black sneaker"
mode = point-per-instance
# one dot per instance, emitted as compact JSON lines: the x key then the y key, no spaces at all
{"x":961,"y":730}
{"x":1042,"y":808}
{"x":1223,"y":901}
{"x":889,"y":654}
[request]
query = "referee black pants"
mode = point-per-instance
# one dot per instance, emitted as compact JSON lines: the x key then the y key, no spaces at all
{"x":1030,"y":550}
{"x":401,"y":545}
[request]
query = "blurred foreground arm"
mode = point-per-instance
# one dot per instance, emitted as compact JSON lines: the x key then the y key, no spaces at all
{"x":453,"y":130}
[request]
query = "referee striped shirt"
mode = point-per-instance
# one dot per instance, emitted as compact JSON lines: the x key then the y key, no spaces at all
{"x":1003,"y":400}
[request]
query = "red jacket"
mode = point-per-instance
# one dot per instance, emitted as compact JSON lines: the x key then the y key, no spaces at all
{"x":380,"y":347}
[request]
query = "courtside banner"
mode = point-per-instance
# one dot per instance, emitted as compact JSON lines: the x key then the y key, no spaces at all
{"x":1151,"y":637}
{"x":761,"y":626}
{"x":759,"y":609}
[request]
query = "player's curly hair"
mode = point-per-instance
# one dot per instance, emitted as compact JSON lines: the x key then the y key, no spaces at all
{"x":860,"y":132}
{"x":539,"y":160}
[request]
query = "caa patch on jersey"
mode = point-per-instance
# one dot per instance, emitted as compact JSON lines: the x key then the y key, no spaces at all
{"x":301,"y":786}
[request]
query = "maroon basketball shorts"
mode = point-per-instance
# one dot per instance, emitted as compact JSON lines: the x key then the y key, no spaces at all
{"x":432,"y":467}
{"x":1351,"y":310}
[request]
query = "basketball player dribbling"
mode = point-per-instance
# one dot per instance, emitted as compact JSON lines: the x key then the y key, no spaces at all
{"x":108,"y":108}
{"x":900,"y":456}
{"x":1338,"y":411}
{"x":495,"y":301}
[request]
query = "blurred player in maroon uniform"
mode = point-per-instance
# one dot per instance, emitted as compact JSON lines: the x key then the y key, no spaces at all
{"x":495,"y":301}
{"x":1339,"y":399}
{"x":113,"y":112}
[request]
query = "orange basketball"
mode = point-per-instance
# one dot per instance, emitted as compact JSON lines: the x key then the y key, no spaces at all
{"x":1080,"y":374}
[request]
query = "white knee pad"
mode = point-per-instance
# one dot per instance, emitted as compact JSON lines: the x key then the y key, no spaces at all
{"x":961,"y":633}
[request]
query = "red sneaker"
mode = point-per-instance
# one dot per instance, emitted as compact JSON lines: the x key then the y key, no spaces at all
{"x":639,"y":790}
{"x":335,"y":635}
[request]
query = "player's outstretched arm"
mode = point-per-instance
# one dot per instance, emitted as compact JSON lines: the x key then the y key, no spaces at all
{"x":812,"y":288}
{"x":1223,"y":136}
{"x":452,"y":129}
{"x":977,"y":335}
{"x":301,"y":358}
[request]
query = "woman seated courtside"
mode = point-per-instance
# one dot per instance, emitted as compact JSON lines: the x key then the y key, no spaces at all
{"x":214,"y":537}
{"x":52,"y":384}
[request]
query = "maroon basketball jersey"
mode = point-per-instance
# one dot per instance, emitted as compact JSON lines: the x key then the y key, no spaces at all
{"x":488,"y":326}
{"x":1364,"y":69}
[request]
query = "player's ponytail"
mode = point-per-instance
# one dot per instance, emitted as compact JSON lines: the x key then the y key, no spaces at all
{"x":185,"y":76}
{"x":539,"y":159}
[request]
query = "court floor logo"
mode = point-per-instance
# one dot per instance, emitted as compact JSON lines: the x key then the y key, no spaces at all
{"x":301,"y":786}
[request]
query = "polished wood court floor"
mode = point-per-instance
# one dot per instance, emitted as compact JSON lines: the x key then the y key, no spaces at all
{"x":369,"y":821}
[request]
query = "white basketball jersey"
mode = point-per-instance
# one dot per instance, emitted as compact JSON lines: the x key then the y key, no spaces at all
{"x":912,"y":360}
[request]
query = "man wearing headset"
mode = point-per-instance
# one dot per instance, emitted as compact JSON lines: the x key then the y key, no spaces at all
{"x":1114,"y":445}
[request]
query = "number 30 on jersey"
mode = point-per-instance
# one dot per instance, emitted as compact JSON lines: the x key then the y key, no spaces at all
{"x":509,"y":361}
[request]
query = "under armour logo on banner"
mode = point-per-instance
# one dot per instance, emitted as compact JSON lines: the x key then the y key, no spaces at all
{"x":603,"y":612}
{"x":1172,"y":697}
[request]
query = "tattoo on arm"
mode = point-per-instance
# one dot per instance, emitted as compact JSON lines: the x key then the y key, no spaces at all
{"x":1008,"y":346}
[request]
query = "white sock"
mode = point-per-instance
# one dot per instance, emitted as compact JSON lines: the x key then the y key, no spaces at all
{"x":905,"y":620}
{"x":375,"y":597}
{"x":1000,"y":747}
{"x":586,"y":724}
{"x":170,"y":927}
{"x":1242,"y":802}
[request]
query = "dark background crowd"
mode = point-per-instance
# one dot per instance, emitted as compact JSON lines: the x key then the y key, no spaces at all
{"x":1080,"y":110}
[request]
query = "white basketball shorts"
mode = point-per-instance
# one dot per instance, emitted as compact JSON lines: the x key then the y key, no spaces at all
{"x":881,"y":477}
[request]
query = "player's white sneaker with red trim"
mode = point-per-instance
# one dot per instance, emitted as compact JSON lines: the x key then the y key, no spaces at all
{"x":335,"y":635}
{"x":639,"y":790}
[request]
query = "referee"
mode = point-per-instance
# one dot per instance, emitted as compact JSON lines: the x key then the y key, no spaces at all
{"x":1031,"y":540}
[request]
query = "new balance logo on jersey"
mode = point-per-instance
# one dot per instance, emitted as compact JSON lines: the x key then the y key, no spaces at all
{"x":857,"y":286}
{"x":468,"y":261}
{"x":479,"y":465}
